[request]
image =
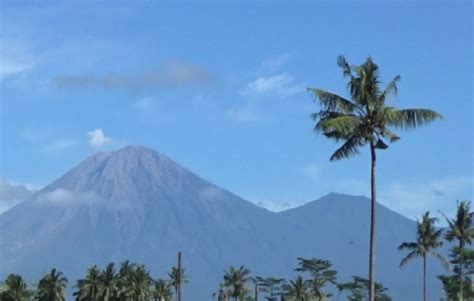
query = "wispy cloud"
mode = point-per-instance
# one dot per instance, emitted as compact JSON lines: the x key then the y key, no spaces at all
{"x":275,"y":62}
{"x":412,"y":198}
{"x":97,"y":138}
{"x":278,"y":206}
{"x":144,"y":104}
{"x":59,"y":145}
{"x":312,"y":171}
{"x":15,"y":58}
{"x":170,"y":75}
{"x":242,"y":115}
{"x":282,"y":85}
{"x":35,"y":135}
{"x":12,"y":194}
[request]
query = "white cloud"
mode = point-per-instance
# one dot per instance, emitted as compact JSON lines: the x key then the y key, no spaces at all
{"x":242,"y":115}
{"x":144,"y":104}
{"x":64,"y":197}
{"x":283,"y":85}
{"x":97,"y":138}
{"x":15,"y":58}
{"x":275,"y":62}
{"x":34,"y":135}
{"x":59,"y":145}
{"x":12,"y":194}
{"x":312,"y":171}
{"x":413,"y":198}
{"x":278,"y":206}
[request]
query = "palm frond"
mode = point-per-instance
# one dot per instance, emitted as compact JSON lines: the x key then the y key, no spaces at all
{"x":346,"y":69}
{"x":411,"y":118}
{"x":345,"y":125}
{"x":441,"y":259}
{"x":410,"y":256}
{"x":332,"y":102}
{"x":408,"y":246}
{"x":390,"y":89}
{"x":348,"y":149}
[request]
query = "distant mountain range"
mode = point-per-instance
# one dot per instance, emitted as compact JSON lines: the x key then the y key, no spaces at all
{"x":137,"y":204}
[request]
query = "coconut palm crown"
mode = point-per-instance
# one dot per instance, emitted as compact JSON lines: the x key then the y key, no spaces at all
{"x":428,"y":238}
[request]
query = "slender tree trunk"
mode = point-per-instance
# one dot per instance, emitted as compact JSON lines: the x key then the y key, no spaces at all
{"x":373,"y":208}
{"x":179,"y":277}
{"x":256,"y":291}
{"x":424,"y":278}
{"x":461,"y":270}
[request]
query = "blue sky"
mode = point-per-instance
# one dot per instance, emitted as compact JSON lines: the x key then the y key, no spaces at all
{"x":220,"y":88}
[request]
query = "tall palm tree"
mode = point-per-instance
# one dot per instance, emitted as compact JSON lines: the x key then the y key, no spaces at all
{"x":15,"y":289}
{"x":461,"y":229}
{"x":51,"y":287}
{"x":162,"y":291}
{"x":177,"y":279}
{"x":297,"y":290}
{"x":90,"y":288}
{"x":427,"y":240}
{"x":235,"y":280}
{"x":321,"y":274}
{"x":364,"y":119}
{"x":109,"y":283}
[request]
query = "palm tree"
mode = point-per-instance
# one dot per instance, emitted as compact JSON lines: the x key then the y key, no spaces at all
{"x":15,"y":289}
{"x":460,"y":229}
{"x":297,"y":290}
{"x":162,"y":291}
{"x":109,"y":283}
{"x":90,"y":288}
{"x":270,"y":285}
{"x":363,"y":120}
{"x":427,"y":240}
{"x":51,"y":287}
{"x":321,"y":274}
{"x":177,"y":279}
{"x":235,"y":280}
{"x":138,"y":284}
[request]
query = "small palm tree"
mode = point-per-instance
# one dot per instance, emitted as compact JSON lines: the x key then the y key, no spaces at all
{"x":162,"y":291}
{"x":90,"y":288}
{"x":15,"y":289}
{"x":272,"y":286}
{"x":109,"y":283}
{"x":427,"y":240}
{"x":51,"y":287}
{"x":235,"y":280}
{"x":297,"y":290}
{"x":138,"y":284}
{"x":461,"y":229}
{"x":177,"y":279}
{"x":364,"y":120}
{"x":321,"y":274}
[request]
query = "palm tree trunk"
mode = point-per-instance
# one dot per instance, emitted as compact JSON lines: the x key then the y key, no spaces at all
{"x":461,"y":271}
{"x":373,"y":204}
{"x":256,"y":292}
{"x":424,"y":278}
{"x":179,"y":279}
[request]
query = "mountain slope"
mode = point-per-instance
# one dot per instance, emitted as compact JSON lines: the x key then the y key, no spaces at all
{"x":341,"y":222}
{"x":137,"y":204}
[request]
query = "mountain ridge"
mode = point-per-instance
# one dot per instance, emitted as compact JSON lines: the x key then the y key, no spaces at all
{"x":138,"y":204}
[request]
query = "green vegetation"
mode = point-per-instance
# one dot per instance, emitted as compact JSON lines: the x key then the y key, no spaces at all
{"x":365,"y":119}
{"x":427,"y":240}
